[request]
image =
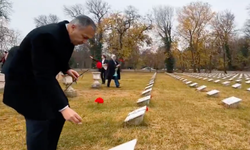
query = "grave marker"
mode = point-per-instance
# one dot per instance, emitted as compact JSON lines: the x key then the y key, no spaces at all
{"x":144,"y":101}
{"x":193,"y":85}
{"x":201,"y":88}
{"x":135,"y":117}
{"x":214,"y":93}
{"x":126,"y":146}
{"x":147,"y":92}
{"x":231,"y":102}
{"x":236,"y":86}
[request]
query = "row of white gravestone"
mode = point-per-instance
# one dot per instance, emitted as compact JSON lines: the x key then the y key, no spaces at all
{"x":136,"y":117}
{"x":229,"y":77}
{"x":237,"y":85}
{"x":231,"y":102}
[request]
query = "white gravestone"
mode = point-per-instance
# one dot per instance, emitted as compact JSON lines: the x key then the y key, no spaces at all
{"x":135,"y":117}
{"x":204,"y":78}
{"x":147,"y":92}
{"x":150,"y":86}
{"x":137,"y":110}
{"x":201,"y":88}
{"x":232,"y":102}
{"x":248,"y":89}
{"x":209,"y":80}
{"x":151,"y":82}
{"x":144,"y":101}
{"x":216,"y":81}
{"x":193,"y":85}
{"x":248,"y":82}
{"x":237,"y":86}
{"x":214,"y":93}
{"x":226,"y":83}
{"x":238,"y":81}
{"x":188,"y":82}
{"x":126,"y":146}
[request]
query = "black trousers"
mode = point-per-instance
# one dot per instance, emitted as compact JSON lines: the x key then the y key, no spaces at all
{"x":103,"y":75}
{"x":43,"y":134}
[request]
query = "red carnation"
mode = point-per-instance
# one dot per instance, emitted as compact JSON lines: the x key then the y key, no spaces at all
{"x":147,"y":109}
{"x":99,"y":100}
{"x":121,"y":60}
{"x":99,"y":65}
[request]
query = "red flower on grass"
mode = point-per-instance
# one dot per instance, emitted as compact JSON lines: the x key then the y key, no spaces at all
{"x":146,"y":108}
{"x":99,"y":100}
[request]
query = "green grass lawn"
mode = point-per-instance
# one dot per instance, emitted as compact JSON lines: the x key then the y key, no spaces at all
{"x":178,"y":118}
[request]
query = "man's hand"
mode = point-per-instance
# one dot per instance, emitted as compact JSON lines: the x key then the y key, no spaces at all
{"x":91,"y":57}
{"x":70,"y":115}
{"x":73,"y":74}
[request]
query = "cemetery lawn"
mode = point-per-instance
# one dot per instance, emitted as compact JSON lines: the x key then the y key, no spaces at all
{"x":178,"y":118}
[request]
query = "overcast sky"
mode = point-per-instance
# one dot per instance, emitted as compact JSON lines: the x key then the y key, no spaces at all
{"x":25,"y":11}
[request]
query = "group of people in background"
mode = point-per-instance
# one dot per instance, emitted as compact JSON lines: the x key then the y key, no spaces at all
{"x":110,"y":70}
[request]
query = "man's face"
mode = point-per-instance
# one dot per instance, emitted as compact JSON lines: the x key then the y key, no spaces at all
{"x":79,"y":35}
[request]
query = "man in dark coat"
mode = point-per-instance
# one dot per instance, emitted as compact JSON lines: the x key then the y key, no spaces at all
{"x":113,"y":71}
{"x":30,"y":84}
{"x":11,"y":54}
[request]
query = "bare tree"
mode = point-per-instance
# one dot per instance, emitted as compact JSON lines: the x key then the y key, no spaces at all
{"x":74,"y":10}
{"x":163,"y":18}
{"x":4,"y":32}
{"x":14,"y":38}
{"x":223,"y":26}
{"x":247,"y":24}
{"x":5,"y":8}
{"x":124,"y":22}
{"x":44,"y":20}
{"x":98,"y":8}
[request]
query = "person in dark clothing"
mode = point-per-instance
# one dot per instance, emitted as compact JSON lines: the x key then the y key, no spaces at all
{"x":30,"y":84}
{"x":104,"y":67}
{"x":11,"y":54}
{"x":113,"y":71}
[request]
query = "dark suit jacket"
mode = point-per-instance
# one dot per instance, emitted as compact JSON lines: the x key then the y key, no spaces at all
{"x":111,"y":70}
{"x":30,"y":84}
{"x":11,"y":54}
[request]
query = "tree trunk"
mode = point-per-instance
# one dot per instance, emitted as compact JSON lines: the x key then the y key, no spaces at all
{"x":210,"y":63}
{"x":194,"y":66}
{"x":224,"y":62}
{"x":229,"y":57}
